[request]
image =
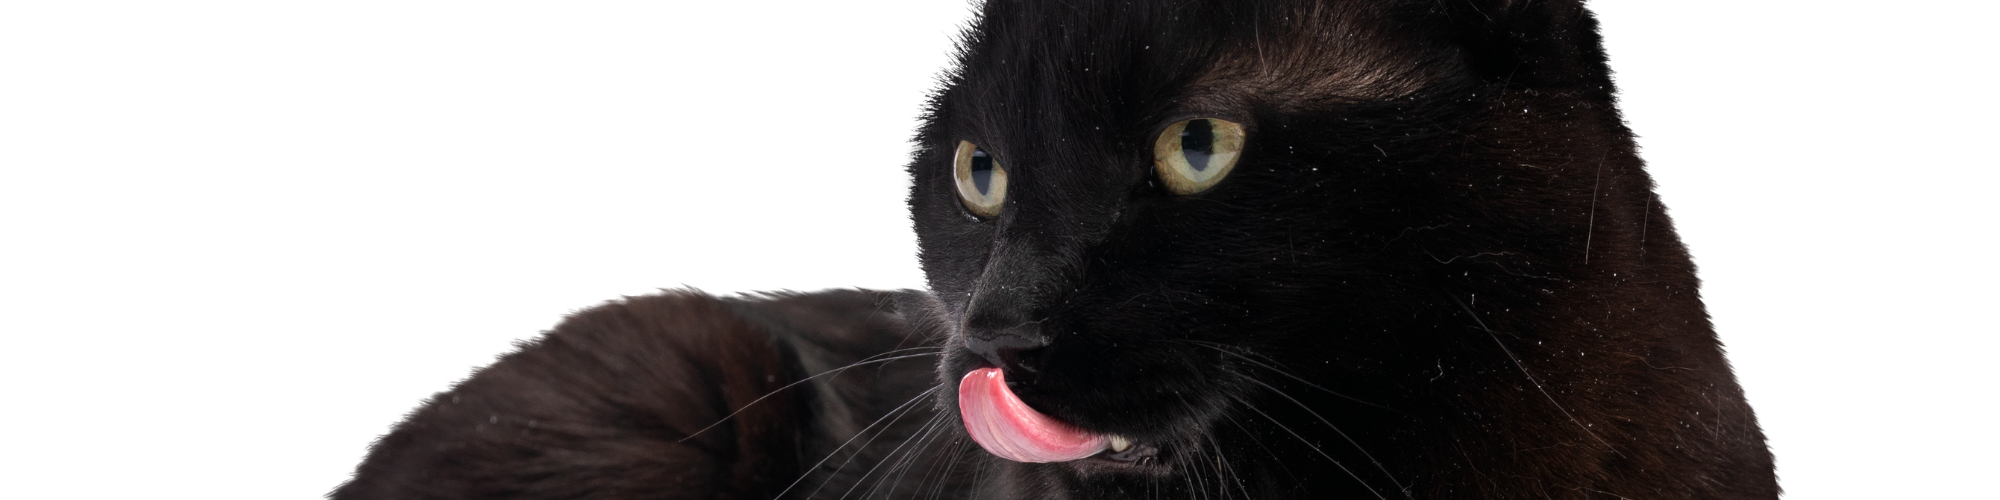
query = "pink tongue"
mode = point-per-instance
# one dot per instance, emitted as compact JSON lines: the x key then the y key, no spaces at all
{"x":1005,"y":426}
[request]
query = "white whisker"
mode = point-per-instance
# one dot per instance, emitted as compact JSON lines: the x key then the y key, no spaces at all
{"x":1281,"y":371}
{"x":1343,"y":435}
{"x":760,"y":399}
{"x":1315,"y":448}
{"x":803,"y":474}
{"x":918,"y":437}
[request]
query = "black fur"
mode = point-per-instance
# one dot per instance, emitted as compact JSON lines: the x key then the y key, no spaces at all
{"x":1438,"y":271}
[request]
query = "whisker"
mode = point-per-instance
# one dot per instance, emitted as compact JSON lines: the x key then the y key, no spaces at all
{"x":1336,"y":430}
{"x":1216,"y":465}
{"x":942,"y":435}
{"x":857,"y":435}
{"x":1194,"y":481}
{"x":1153,"y":486}
{"x":915,"y":437}
{"x":1224,"y":464}
{"x":980,"y":474}
{"x":864,"y":448}
{"x":952,"y":457}
{"x":920,"y":437}
{"x":1200,"y":480}
{"x":1260,"y":444}
{"x":1531,"y":377}
{"x":865,"y":361}
{"x":894,"y":462}
{"x":1281,"y":371}
{"x":929,"y":466}
{"x":933,"y":483}
{"x":1315,"y":448}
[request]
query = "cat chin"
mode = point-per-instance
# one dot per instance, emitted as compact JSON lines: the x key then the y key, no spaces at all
{"x":1158,"y":463}
{"x":1101,"y":466}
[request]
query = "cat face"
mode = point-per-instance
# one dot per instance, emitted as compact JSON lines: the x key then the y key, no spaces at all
{"x":1200,"y":232}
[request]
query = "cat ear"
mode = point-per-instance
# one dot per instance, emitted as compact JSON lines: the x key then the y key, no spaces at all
{"x":1543,"y":44}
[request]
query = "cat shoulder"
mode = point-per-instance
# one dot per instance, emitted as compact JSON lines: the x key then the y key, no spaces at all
{"x":639,"y":398}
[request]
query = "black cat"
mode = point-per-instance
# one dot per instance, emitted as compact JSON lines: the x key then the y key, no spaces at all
{"x":1226,"y":249}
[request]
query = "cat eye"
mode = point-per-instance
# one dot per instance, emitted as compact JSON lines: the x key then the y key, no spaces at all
{"x":982,"y":184}
{"x":1192,"y":155}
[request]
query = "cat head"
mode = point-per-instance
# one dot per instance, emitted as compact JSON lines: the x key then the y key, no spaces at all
{"x":1161,"y":220}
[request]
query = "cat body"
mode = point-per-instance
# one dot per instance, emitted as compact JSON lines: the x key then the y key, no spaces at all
{"x":1434,"y":268}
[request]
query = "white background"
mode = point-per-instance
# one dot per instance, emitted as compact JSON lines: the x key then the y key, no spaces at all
{"x":238,"y":240}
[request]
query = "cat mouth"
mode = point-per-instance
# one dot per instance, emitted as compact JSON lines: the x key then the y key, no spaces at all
{"x":1008,"y":428}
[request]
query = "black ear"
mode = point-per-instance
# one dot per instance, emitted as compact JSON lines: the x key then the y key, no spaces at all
{"x":1541,"y":44}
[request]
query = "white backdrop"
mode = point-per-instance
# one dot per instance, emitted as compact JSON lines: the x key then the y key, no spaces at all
{"x":238,"y":240}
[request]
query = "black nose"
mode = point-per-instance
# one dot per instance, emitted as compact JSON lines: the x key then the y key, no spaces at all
{"x":1013,"y":349}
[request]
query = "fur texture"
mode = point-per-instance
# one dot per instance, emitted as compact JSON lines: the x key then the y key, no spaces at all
{"x":1437,"y":271}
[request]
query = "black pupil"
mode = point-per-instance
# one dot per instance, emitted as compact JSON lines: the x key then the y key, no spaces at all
{"x":1197,"y":142}
{"x":982,"y":171}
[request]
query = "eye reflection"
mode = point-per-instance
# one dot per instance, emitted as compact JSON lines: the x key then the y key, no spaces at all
{"x":1197,"y":141}
{"x":982,"y":172}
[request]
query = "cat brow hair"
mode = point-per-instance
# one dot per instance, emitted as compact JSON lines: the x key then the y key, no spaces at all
{"x":1318,"y":53}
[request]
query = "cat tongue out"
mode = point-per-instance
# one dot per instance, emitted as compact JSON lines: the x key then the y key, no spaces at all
{"x":1006,"y":427}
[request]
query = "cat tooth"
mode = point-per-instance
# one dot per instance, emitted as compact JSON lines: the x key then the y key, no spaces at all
{"x":1119,"y":444}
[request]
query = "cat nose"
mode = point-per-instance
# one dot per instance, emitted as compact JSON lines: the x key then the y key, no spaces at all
{"x":1008,"y":348}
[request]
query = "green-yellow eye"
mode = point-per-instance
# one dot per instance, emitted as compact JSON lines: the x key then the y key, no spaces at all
{"x":982,"y":184}
{"x":1192,"y":155}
